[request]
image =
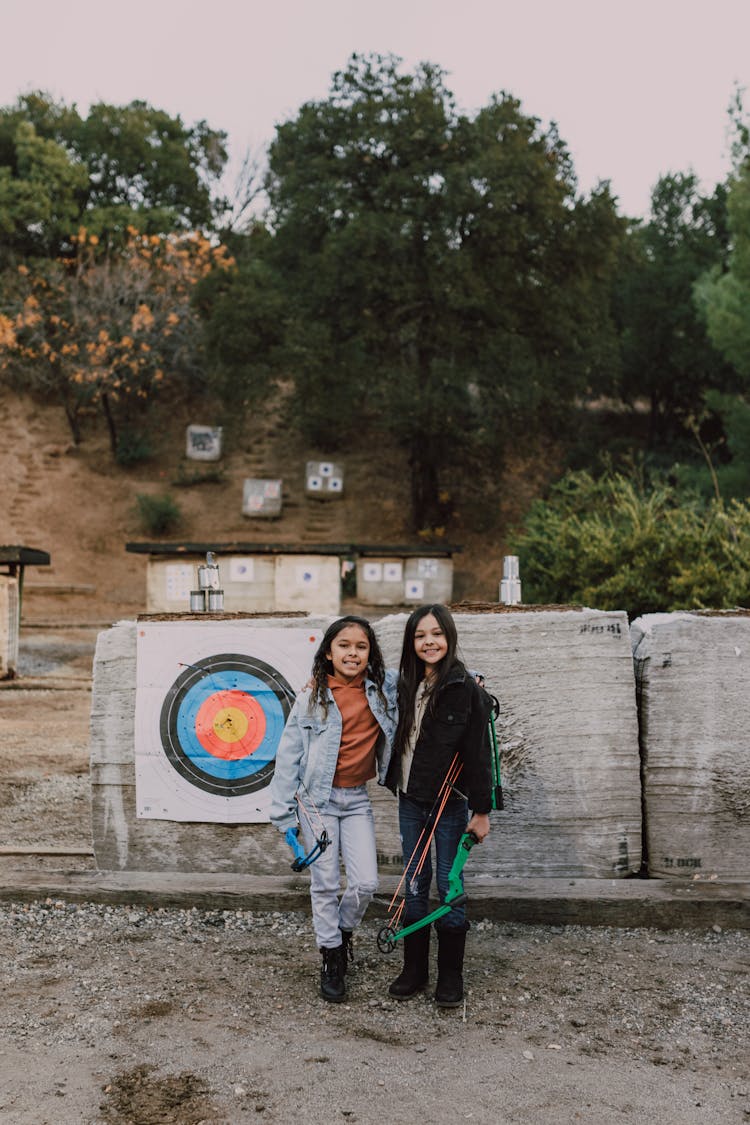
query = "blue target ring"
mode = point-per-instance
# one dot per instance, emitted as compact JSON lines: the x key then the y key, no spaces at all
{"x":209,"y":682}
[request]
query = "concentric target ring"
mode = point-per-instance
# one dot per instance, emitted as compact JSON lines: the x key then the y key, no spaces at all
{"x":221,"y":722}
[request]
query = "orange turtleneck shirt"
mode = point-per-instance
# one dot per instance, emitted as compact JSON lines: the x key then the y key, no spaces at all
{"x":359,"y":733}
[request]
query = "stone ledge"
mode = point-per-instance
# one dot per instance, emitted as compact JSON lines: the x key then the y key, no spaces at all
{"x":656,"y":903}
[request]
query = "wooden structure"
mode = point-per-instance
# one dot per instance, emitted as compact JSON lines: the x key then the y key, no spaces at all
{"x":13,"y":561}
{"x":396,"y":576}
{"x":289,"y":577}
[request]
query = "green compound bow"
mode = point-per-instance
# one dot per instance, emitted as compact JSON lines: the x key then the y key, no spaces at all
{"x":455,"y":896}
{"x":497,"y":781}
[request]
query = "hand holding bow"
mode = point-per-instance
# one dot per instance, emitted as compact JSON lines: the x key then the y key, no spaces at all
{"x":303,"y":859}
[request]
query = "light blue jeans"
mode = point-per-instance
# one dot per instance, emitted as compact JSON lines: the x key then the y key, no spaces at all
{"x":349,"y":822}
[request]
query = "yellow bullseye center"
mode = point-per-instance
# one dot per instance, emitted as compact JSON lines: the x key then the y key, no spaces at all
{"x":230,"y":724}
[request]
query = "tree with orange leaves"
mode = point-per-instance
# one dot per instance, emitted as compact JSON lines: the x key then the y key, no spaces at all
{"x":108,"y":331}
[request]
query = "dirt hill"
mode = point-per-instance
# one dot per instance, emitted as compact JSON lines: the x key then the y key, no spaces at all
{"x":75,"y":503}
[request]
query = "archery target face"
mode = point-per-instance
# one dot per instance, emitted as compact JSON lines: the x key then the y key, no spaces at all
{"x":211,"y":703}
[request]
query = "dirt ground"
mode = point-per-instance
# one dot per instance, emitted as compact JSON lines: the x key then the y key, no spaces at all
{"x":145,"y":1015}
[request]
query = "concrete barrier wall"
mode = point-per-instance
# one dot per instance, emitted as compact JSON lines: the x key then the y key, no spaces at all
{"x":569,"y":734}
{"x":570,"y":746}
{"x":566,"y":682}
{"x":693,"y":677}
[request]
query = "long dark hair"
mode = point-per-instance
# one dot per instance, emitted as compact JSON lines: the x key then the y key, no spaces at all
{"x":322,"y":667}
{"x":412,"y":668}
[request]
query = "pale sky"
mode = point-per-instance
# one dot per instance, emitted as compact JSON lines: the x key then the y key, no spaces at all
{"x":637,"y":87}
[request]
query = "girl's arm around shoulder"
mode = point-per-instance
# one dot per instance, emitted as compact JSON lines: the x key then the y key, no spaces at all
{"x":390,"y":686}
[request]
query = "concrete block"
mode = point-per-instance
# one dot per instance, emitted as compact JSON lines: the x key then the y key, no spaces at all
{"x":569,"y":736}
{"x":693,"y":675}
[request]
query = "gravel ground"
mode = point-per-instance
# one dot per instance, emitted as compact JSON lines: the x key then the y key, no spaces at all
{"x":186,"y":1016}
{"x":114,"y":1014}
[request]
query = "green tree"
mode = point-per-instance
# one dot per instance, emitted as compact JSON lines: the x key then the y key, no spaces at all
{"x":42,"y":191}
{"x":724,"y":296}
{"x":146,"y":163}
{"x":442,"y":278}
{"x":113,"y":168}
{"x":667,"y":358}
{"x":724,"y":439}
{"x":244,"y":311}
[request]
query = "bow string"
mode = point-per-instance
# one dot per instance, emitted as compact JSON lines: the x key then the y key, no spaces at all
{"x":318,"y":831}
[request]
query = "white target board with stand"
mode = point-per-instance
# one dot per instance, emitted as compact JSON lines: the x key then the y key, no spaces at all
{"x":212,"y":699}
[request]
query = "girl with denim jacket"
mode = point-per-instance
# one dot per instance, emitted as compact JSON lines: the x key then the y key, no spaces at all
{"x":443,"y":715}
{"x":338,"y":736}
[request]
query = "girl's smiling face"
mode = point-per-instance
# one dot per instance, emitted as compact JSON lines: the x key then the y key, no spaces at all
{"x":430,"y":643}
{"x":349,"y":653}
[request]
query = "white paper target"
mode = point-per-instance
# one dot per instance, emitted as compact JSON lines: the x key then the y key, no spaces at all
{"x":179,"y":581}
{"x":308,"y":577}
{"x":427,"y":568}
{"x":212,"y":699}
{"x":241,"y":570}
{"x":372,"y":572}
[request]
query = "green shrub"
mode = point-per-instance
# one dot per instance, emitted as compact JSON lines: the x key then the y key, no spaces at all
{"x":133,"y":448}
{"x":612,"y":543}
{"x":158,"y":514}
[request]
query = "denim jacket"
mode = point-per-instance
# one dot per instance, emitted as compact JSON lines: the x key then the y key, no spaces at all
{"x":309,"y":748}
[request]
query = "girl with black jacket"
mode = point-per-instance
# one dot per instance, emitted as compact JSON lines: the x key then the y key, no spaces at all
{"x":443,"y":715}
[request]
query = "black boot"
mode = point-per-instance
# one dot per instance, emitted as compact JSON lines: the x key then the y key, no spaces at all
{"x":449,"y":992}
{"x":332,"y":984}
{"x":413,"y":977}
{"x":347,"y":949}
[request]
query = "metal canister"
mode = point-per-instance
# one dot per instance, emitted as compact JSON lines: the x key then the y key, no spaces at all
{"x":215,"y":601}
{"x":197,"y":601}
{"x":208,"y":575}
{"x":510,"y":583}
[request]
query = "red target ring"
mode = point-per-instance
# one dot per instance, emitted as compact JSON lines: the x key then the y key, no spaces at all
{"x":230,"y":725}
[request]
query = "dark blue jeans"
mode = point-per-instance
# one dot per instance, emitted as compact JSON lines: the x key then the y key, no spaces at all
{"x":412,"y":818}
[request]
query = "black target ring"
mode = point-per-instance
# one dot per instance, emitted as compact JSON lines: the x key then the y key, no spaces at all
{"x":208,"y":683}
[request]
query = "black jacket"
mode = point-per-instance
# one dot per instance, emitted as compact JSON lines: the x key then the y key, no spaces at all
{"x":457,"y":720}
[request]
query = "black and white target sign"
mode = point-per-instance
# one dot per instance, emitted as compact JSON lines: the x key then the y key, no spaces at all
{"x":212,"y":699}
